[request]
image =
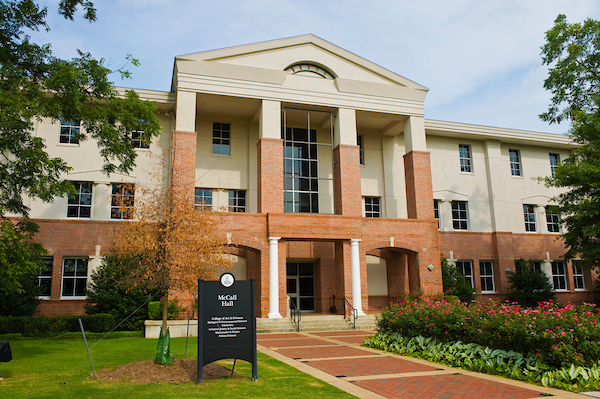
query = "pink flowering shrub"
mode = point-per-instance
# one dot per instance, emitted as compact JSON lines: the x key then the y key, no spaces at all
{"x":558,"y":335}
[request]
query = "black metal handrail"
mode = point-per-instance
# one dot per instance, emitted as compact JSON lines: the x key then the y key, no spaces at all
{"x":350,"y":313}
{"x":295,"y":314}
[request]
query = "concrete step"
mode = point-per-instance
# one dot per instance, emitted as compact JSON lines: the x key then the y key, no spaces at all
{"x":312,"y":322}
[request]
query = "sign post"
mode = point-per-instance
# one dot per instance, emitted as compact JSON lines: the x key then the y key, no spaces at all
{"x":226,"y":321}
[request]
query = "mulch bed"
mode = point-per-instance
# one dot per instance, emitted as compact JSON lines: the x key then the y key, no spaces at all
{"x":146,"y":372}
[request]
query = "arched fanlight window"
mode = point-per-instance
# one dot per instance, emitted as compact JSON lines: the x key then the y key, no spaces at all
{"x":309,"y":69}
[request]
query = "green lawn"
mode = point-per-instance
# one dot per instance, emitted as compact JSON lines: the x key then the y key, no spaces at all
{"x":61,"y":369}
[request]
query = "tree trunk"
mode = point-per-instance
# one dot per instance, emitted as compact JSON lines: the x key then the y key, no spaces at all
{"x":165,"y":315}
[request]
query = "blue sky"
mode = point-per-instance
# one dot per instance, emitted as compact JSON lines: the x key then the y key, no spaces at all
{"x":480,"y":59}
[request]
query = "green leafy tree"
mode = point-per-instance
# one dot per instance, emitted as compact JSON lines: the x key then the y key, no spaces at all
{"x":529,"y":287}
{"x":572,"y":52}
{"x":105,"y":294}
{"x":455,"y":284}
{"x":34,"y":84}
{"x":20,"y":256}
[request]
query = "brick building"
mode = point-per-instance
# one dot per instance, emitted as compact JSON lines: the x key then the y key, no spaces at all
{"x":328,"y":180}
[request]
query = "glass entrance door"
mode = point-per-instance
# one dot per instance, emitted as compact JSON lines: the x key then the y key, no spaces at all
{"x":301,"y":285}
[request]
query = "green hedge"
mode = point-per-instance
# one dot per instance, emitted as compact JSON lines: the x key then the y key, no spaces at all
{"x":29,"y":326}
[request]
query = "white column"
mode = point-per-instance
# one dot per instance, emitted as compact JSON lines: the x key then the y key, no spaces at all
{"x":345,"y":127}
{"x":356,"y":294}
{"x":274,"y":278}
{"x":270,"y":119}
{"x":414,"y":134}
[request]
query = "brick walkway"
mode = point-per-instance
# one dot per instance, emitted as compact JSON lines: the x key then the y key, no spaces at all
{"x":336,"y":358}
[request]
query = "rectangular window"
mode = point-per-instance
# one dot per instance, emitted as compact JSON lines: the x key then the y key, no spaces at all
{"x":536,"y":265}
{"x":361,"y":149}
{"x":69,"y":131}
{"x":122,"y":201}
{"x":578,"y":281}
{"x":74,"y":278}
{"x":559,"y":276}
{"x":464,"y":267}
{"x":203,"y":198}
{"x":138,"y":140}
{"x":221,"y":139}
{"x":80,"y":205}
{"x":529,"y":215}
{"x":465,"y":158}
{"x":460,"y":215}
{"x":436,"y":211}
{"x":237,"y":201}
{"x":301,"y":171}
{"x":515,"y":163}
{"x":372,"y":207}
{"x":486,"y":273}
{"x":45,"y":278}
{"x":554,"y":160}
{"x":552,"y":220}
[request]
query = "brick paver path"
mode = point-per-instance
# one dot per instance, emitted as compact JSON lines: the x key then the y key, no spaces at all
{"x":380,"y":374}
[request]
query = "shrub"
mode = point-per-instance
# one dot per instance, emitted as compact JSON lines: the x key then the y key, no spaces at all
{"x":21,"y":303}
{"x":455,"y":284}
{"x":155,"y":309}
{"x":108,"y":295}
{"x":30,"y":326}
{"x":528,"y":286}
{"x":557,"y":335}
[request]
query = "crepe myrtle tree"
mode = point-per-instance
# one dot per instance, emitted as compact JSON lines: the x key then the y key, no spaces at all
{"x":35,"y":84}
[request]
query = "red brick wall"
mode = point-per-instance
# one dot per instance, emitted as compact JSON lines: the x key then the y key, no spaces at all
{"x":270,"y":175}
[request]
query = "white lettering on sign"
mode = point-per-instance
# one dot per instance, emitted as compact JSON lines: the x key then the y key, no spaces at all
{"x":227,"y":326}
{"x":226,"y":299}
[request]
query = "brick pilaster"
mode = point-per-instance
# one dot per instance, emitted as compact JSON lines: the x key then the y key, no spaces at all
{"x":183,"y":163}
{"x":419,"y":191}
{"x":346,"y":177}
{"x":270,"y":175}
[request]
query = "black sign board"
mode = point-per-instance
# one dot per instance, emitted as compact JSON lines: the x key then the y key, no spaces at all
{"x":226,"y":321}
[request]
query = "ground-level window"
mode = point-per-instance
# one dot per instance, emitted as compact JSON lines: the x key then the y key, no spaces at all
{"x":465,"y":268}
{"x":74,"y":278}
{"x":536,"y":265}
{"x":559,"y":276}
{"x":486,"y":273}
{"x":203,"y":198}
{"x":237,"y":201}
{"x":578,"y":281}
{"x":460,"y":215}
{"x":44,"y":280}
{"x":372,"y":207}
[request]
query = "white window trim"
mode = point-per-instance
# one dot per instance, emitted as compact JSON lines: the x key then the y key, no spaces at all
{"x":472,"y":171}
{"x":582,"y":278}
{"x":493,"y":291}
{"x":62,"y":279}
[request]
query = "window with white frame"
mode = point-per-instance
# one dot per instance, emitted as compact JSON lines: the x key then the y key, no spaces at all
{"x":361,"y":149}
{"x":203,"y":198}
{"x":372,"y":207}
{"x":486,"y":274}
{"x":536,"y":265}
{"x":74,"y":277}
{"x":515,"y":163}
{"x":436,"y":211}
{"x":44,"y":280}
{"x":529,"y":216}
{"x":552,"y":219}
{"x":69,"y":131}
{"x":237,"y":201}
{"x":460,"y":215}
{"x":578,"y":280}
{"x":138,"y":140}
{"x":559,"y":276}
{"x":465,"y":158}
{"x":80,"y":204}
{"x":465,"y":268}
{"x":221,"y":139}
{"x":554,"y":160}
{"x":122,"y":201}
